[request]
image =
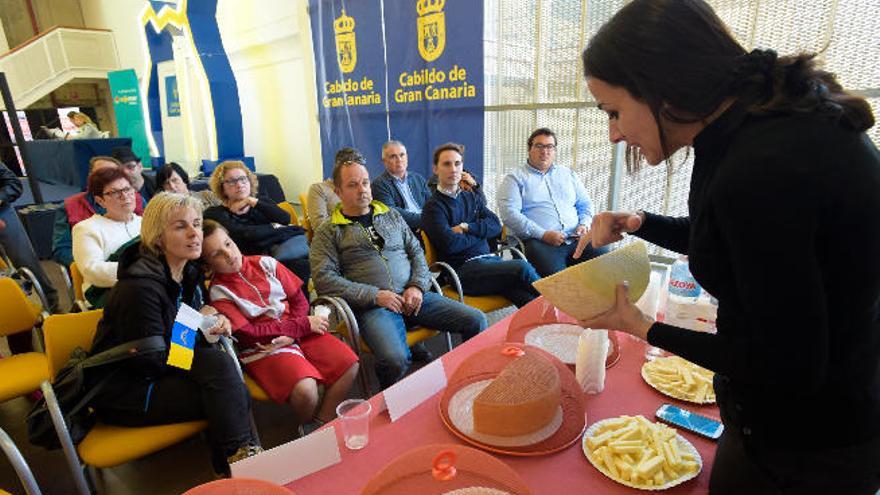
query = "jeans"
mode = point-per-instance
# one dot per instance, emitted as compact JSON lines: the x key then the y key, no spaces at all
{"x":17,"y":245}
{"x":492,"y":275}
{"x":294,"y":254}
{"x":548,"y":259}
{"x":212,"y":389}
{"x":384,"y":331}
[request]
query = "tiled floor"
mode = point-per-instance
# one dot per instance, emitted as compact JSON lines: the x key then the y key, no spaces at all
{"x":171,"y":471}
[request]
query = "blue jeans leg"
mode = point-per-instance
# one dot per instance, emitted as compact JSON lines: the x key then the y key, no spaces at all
{"x":17,"y":245}
{"x":384,"y":332}
{"x":589,"y":253}
{"x":491,"y":275}
{"x":447,"y":315}
{"x":546,"y":259}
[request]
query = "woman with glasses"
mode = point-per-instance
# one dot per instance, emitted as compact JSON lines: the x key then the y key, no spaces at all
{"x":256,"y":225}
{"x":97,"y":239}
{"x":781,"y":228}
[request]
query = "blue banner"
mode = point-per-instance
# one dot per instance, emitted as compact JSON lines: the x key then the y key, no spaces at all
{"x":172,"y":97}
{"x":410,"y":70}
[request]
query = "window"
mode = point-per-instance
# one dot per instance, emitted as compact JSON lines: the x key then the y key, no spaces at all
{"x":534,"y":79}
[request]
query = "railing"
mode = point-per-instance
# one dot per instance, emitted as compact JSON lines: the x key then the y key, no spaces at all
{"x":54,"y":57}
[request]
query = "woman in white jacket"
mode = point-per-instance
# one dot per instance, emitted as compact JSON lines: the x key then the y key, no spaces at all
{"x":98,"y":238}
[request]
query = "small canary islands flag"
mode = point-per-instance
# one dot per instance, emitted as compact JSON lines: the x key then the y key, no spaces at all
{"x":183,"y":337}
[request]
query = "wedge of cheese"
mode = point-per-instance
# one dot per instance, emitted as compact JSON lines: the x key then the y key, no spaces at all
{"x":522,"y":399}
{"x":588,"y":289}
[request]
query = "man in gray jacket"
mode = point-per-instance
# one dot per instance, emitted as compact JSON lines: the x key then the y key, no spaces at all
{"x":366,"y":254}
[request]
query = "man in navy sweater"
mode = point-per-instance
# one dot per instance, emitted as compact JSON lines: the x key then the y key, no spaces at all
{"x":458,"y":223}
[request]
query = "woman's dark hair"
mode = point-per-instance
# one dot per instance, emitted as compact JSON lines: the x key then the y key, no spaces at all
{"x":98,"y":179}
{"x":165,"y":172}
{"x":679,"y":58}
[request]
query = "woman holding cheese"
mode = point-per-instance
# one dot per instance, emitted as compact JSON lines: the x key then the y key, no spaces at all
{"x":782,"y":229}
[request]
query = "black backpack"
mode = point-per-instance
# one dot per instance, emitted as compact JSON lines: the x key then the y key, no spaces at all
{"x":74,"y":396}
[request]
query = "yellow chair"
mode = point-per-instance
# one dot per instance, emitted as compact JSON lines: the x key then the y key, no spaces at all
{"x":306,"y":222}
{"x":76,"y":279}
{"x":22,"y":373}
{"x":455,"y":291}
{"x":105,"y":445}
{"x":294,"y":218}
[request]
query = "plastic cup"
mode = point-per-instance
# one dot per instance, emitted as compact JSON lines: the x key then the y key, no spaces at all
{"x":322,"y":311}
{"x":354,"y":418}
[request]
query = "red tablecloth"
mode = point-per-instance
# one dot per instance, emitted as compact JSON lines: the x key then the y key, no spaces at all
{"x":564,"y":472}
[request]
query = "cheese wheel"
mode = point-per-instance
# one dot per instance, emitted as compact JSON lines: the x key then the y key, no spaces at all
{"x":588,"y":289}
{"x":522,"y":399}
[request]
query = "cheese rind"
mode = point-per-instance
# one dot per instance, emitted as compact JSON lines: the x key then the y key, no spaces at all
{"x":522,"y":399}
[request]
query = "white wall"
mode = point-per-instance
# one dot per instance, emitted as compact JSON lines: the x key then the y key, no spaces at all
{"x":121,"y":17}
{"x":270,"y":50}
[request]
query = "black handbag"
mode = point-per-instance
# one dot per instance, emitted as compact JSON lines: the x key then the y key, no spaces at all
{"x":74,"y":395}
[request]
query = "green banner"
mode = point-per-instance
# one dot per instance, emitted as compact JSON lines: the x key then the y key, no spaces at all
{"x":127,"y":103}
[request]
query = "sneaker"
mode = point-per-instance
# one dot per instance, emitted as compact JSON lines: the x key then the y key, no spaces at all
{"x":244,"y":452}
{"x":421,"y":354}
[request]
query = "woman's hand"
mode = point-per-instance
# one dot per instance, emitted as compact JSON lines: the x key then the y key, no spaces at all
{"x":319,"y":324}
{"x":241,"y":206}
{"x":222,"y":327}
{"x":623,"y":316}
{"x":609,"y":226}
{"x":277,"y":343}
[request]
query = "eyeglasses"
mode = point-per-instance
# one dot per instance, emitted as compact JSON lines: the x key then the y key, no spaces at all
{"x":237,"y":180}
{"x":539,"y":146}
{"x":119,"y":194}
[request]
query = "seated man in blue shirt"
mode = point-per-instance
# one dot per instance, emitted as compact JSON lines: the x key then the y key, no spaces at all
{"x":366,"y":254}
{"x":403,"y":191}
{"x":547,"y":206}
{"x":458,"y":223}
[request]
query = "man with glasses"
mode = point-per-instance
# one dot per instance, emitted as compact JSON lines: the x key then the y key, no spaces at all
{"x":80,"y":207}
{"x":547,"y":206}
{"x":135,"y":171}
{"x":404,"y":191}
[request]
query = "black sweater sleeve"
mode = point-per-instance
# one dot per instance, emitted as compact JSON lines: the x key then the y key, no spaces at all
{"x":780,"y":303}
{"x":272,"y":212}
{"x":670,"y":233}
{"x":136,"y":321}
{"x":252,"y":237}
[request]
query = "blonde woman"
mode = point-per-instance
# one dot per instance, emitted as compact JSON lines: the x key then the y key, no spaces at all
{"x":84,"y":124}
{"x":157,"y":276}
{"x":256,"y":225}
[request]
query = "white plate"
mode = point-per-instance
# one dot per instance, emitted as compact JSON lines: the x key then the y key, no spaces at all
{"x":681,"y":397}
{"x":559,"y":339}
{"x":461,"y":407}
{"x":683,"y":444}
